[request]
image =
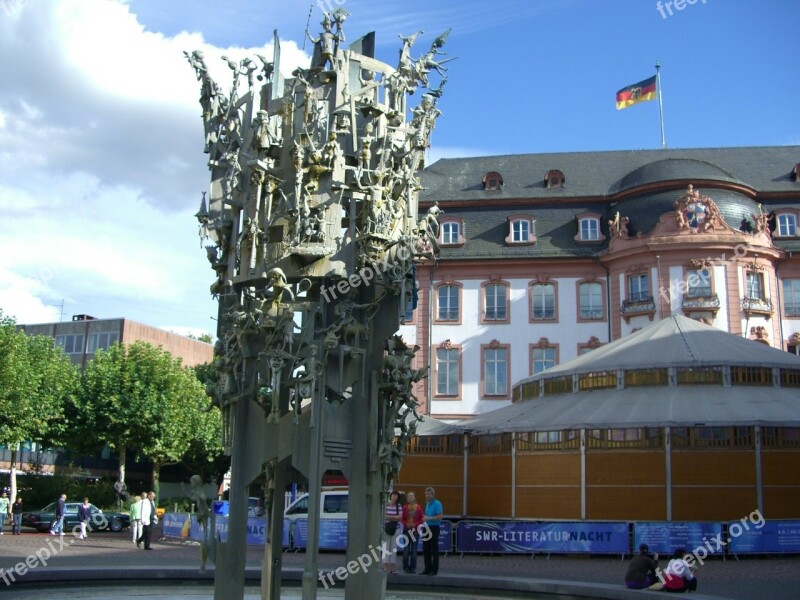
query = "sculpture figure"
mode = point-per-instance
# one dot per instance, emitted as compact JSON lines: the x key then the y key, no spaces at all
{"x":213,"y":101}
{"x":301,"y":327}
{"x":326,"y":42}
{"x":198,"y":496}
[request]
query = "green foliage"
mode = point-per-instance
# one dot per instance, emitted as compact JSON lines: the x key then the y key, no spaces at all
{"x":37,"y":382}
{"x":203,"y":337}
{"x":141,"y":398}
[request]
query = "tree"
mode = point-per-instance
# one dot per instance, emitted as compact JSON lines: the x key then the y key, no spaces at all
{"x":37,"y":381}
{"x":142,"y":399}
{"x":205,"y":456}
{"x":203,"y":337}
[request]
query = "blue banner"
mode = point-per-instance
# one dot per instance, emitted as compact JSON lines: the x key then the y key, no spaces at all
{"x":527,"y":538}
{"x":172,"y":525}
{"x":332,"y":534}
{"x":773,"y":537}
{"x":445,"y":538}
{"x":663,"y":537}
{"x":185,"y":526}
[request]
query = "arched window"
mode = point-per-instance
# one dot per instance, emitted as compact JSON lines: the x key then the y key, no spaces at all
{"x":492,"y":181}
{"x":496,"y":301}
{"x":554,"y":179}
{"x":591,"y":301}
{"x":448,"y":303}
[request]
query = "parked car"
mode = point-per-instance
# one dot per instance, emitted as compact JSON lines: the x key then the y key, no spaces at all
{"x":42,"y":519}
{"x":333,"y":506}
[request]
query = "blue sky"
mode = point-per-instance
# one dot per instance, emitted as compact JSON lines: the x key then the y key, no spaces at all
{"x":540,"y":75}
{"x":101,"y":163}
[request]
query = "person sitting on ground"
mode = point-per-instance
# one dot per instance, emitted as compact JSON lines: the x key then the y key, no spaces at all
{"x":679,"y":576}
{"x":642,"y":569}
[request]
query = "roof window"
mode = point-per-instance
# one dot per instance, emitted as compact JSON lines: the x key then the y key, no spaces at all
{"x":554,"y":179}
{"x":492,"y":181}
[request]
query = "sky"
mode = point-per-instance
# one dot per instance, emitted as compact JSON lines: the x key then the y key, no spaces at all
{"x":101,"y":138}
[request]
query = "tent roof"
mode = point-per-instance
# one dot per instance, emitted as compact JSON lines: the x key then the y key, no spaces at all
{"x":674,"y":342}
{"x":649,"y":406}
{"x":431,"y":426}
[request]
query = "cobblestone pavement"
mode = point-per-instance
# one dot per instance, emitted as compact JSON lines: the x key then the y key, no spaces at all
{"x":747,"y":579}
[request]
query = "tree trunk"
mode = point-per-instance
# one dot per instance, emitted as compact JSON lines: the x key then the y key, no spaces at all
{"x":13,"y":474}
{"x":123,"y":455}
{"x":156,"y":474}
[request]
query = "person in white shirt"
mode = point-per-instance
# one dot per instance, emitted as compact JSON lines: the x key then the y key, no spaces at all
{"x":149,"y":519}
{"x":678,"y":576}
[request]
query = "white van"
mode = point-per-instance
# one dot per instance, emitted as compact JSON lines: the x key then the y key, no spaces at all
{"x":333,"y":506}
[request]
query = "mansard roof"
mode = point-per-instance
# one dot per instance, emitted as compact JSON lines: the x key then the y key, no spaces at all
{"x":640,"y":184}
{"x":764,"y":169}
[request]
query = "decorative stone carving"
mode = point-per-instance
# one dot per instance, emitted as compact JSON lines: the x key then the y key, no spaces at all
{"x":618,"y":227}
{"x":696,"y":213}
{"x":759,"y":333}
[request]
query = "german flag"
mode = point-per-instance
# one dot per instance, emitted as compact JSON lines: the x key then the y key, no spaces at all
{"x":638,"y":92}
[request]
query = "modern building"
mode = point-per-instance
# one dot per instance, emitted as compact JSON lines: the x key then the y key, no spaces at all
{"x":81,"y":337}
{"x":545,"y":257}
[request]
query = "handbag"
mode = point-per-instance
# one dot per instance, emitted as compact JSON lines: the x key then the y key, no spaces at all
{"x":390,"y":527}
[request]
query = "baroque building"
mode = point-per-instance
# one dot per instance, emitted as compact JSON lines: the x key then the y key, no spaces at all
{"x":562,"y":326}
{"x":545,"y":257}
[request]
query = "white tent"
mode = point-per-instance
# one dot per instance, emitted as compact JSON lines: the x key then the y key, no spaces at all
{"x":675,"y":342}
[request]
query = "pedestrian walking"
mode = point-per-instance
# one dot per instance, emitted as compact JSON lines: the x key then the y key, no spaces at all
{"x":136,"y":516}
{"x":4,"y":511}
{"x":149,"y":520}
{"x":84,"y":516}
{"x":58,"y":524}
{"x":16,"y":513}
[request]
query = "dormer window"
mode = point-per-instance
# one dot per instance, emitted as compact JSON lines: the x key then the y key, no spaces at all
{"x":796,"y":173}
{"x":589,"y":229}
{"x":452,"y":231}
{"x":492,"y":181}
{"x":520,"y":230}
{"x":786,"y":224}
{"x":554,"y":179}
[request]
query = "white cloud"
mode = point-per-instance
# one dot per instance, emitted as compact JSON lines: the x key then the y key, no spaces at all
{"x":101,"y":163}
{"x":22,"y":298}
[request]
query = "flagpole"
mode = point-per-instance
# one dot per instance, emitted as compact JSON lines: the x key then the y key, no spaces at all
{"x":660,"y":105}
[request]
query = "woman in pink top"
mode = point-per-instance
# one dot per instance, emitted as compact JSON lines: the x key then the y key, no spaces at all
{"x":412,"y":519}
